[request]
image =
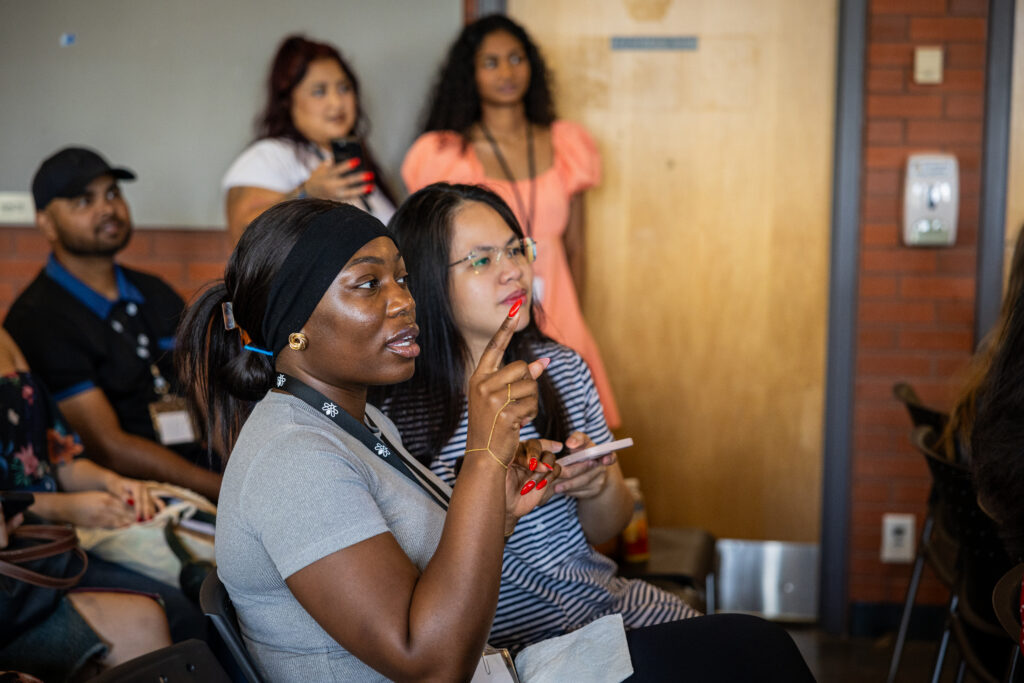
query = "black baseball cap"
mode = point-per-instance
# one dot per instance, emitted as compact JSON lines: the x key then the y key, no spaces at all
{"x":66,"y":173}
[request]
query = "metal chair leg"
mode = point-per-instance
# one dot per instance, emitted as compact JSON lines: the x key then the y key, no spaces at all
{"x":908,"y":604}
{"x":1015,"y":666}
{"x":961,"y":671}
{"x":940,"y":658}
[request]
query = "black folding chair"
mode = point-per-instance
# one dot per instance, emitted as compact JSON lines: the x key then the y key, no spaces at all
{"x":216,"y":604}
{"x":189,"y":661}
{"x":980,"y":561}
{"x":935,"y":547}
{"x":1006,"y":604}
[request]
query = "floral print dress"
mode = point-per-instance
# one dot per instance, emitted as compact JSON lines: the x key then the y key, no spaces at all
{"x":34,"y":437}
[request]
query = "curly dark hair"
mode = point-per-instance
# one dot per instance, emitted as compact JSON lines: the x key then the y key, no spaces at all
{"x":455,"y":102}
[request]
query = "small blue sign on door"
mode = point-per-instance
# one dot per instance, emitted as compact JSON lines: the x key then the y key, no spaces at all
{"x":654,"y":42}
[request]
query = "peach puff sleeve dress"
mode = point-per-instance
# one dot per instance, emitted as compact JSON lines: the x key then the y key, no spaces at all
{"x":439,"y":156}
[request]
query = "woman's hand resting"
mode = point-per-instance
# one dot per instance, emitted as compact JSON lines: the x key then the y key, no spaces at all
{"x":95,"y":509}
{"x":135,"y":494}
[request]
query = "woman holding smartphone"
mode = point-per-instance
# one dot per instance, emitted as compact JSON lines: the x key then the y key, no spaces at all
{"x":310,"y":140}
{"x":470,"y":259}
{"x":491,"y":121}
{"x":345,"y":558}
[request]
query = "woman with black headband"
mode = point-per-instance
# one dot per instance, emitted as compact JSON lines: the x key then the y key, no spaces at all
{"x":345,"y":558}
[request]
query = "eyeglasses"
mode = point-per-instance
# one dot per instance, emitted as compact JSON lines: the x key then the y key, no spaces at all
{"x":481,"y":259}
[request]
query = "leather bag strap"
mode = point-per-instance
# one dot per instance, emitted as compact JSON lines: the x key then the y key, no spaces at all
{"x":60,"y":539}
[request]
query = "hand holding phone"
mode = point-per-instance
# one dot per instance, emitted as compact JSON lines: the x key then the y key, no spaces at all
{"x":594,"y":452}
{"x":351,"y":150}
{"x":344,"y":149}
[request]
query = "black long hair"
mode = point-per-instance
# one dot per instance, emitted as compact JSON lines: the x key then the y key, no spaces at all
{"x":455,"y":102}
{"x":997,"y":431}
{"x":221,"y":379}
{"x":431,"y":402}
{"x":287,"y":69}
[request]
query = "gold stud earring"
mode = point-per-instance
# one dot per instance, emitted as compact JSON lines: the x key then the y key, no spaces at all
{"x":297,"y":341}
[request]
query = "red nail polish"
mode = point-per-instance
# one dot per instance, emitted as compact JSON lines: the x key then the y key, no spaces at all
{"x":352,"y":163}
{"x":527,"y":487}
{"x":542,"y":484}
{"x":368,"y":175}
{"x":515,"y":308}
{"x":533,"y":464}
{"x":550,"y":468}
{"x":368,"y":189}
{"x":131,"y":501}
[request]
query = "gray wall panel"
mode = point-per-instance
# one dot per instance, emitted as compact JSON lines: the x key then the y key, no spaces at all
{"x":171,"y":89}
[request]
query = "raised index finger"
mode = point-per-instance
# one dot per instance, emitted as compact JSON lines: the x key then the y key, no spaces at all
{"x":490,"y":360}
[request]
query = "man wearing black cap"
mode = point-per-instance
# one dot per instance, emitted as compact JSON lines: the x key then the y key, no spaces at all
{"x":101,"y":335}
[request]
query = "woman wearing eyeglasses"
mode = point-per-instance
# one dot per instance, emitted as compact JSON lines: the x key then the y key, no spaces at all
{"x":470,"y":261}
{"x":491,"y":121}
{"x":470,"y":258}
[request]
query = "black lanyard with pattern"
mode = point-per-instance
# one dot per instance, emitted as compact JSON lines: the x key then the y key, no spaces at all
{"x":379,"y":445}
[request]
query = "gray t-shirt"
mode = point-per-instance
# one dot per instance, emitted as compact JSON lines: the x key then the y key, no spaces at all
{"x":296,"y":489}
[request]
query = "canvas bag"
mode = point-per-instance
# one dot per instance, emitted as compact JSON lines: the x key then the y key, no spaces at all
{"x":142,"y":546}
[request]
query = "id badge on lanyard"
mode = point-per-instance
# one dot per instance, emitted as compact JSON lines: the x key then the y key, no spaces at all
{"x":170,"y":417}
{"x":171,"y":421}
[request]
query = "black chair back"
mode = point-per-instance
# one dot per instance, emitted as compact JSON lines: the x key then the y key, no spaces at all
{"x":920,"y":414}
{"x":216,"y":604}
{"x":973,"y":530}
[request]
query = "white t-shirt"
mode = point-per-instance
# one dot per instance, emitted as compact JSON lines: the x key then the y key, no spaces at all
{"x":282,"y":165}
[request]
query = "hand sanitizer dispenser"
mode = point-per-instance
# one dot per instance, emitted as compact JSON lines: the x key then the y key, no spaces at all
{"x":931,"y":200}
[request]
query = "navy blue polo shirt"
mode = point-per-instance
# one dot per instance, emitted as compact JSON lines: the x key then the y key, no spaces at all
{"x":75,"y":339}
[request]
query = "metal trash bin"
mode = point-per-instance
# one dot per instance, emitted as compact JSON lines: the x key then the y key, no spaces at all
{"x":772,"y":579}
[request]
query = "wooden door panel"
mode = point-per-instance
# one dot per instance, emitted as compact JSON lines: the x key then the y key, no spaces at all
{"x":708,"y":245}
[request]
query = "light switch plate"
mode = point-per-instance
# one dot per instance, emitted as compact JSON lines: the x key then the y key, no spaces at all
{"x":17,"y":208}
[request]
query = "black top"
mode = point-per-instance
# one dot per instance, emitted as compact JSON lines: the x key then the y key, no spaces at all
{"x":75,"y":339}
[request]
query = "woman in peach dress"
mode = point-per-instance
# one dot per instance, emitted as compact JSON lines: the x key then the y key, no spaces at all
{"x":491,"y":122}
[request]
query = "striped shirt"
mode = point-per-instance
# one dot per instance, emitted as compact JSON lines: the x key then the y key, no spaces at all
{"x":552,"y":580}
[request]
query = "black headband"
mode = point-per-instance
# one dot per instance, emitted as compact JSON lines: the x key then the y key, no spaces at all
{"x":329,"y":242}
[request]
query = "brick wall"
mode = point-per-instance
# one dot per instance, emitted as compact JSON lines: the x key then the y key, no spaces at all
{"x":916,"y":310}
{"x":186,"y":259}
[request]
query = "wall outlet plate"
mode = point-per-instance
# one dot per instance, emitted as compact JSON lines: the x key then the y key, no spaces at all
{"x":17,"y":208}
{"x":898,"y":539}
{"x":928,"y":64}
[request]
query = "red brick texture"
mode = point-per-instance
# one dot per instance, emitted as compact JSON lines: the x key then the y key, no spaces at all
{"x":187,"y":259}
{"x":916,"y":306}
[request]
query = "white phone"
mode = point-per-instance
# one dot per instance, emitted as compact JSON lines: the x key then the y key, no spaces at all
{"x":595,"y":451}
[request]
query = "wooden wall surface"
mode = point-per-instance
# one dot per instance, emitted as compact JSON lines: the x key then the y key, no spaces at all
{"x":708,"y":245}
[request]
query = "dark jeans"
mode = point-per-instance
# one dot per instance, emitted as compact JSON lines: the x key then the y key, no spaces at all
{"x":183,"y":615}
{"x":717,"y":648}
